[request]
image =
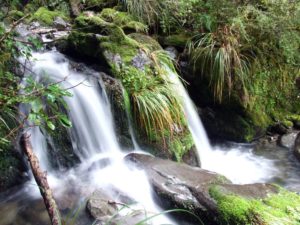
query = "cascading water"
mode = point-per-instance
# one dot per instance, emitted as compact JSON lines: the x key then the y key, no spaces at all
{"x":95,"y":143}
{"x":93,"y":139}
{"x":238,"y":164}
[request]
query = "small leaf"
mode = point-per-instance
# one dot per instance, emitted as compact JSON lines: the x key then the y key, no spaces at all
{"x":65,"y":121}
{"x":36,"y":106}
{"x":50,"y":125}
{"x":51,"y":98}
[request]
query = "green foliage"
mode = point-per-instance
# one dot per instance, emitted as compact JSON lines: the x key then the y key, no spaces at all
{"x":281,"y":208}
{"x":221,"y":59}
{"x":156,"y":107}
{"x":122,"y":19}
{"x":250,"y":50}
{"x":35,"y":94}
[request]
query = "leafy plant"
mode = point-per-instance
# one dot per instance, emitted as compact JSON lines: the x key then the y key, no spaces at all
{"x":37,"y":95}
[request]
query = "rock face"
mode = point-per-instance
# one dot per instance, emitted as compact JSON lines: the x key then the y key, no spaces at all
{"x":297,"y":147}
{"x":209,"y":195}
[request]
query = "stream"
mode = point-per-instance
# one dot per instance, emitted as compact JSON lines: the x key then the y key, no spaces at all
{"x":101,"y":166}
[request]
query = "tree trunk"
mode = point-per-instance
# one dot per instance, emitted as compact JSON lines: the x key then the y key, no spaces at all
{"x":41,"y":180}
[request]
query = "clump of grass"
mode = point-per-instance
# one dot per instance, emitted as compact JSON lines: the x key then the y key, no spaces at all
{"x":220,"y":58}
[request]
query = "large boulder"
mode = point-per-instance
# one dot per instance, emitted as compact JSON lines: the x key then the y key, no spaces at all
{"x":140,"y":63}
{"x":297,"y":147}
{"x":214,"y":198}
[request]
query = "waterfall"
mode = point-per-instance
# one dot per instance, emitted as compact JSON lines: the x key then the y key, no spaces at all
{"x":239,"y":164}
{"x":93,"y":138}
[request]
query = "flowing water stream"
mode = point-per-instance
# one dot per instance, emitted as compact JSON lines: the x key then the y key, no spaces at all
{"x":94,"y":141}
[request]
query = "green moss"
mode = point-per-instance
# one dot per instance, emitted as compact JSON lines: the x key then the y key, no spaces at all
{"x":146,"y":41}
{"x":123,"y":20}
{"x":46,"y":16}
{"x":287,"y":123}
{"x":180,"y":145}
{"x":85,"y":43}
{"x":177,"y":40}
{"x":281,"y":208}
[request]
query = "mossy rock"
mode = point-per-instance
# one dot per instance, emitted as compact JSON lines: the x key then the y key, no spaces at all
{"x":123,"y":20}
{"x":46,"y":16}
{"x":274,"y":208}
{"x":138,"y":61}
{"x":146,"y":41}
{"x":295,"y":118}
{"x":11,"y":168}
{"x":84,"y":43}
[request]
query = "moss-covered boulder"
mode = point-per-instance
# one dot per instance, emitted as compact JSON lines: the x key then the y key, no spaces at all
{"x":139,"y":62}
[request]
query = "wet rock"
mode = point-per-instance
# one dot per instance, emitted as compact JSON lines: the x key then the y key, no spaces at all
{"x":288,"y":140}
{"x":114,"y":92}
{"x":104,"y":208}
{"x":267,"y":142}
{"x":181,"y":186}
{"x":100,"y":207}
{"x":297,"y":147}
{"x":60,"y":24}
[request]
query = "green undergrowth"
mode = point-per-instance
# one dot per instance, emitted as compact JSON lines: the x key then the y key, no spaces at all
{"x":282,"y":208}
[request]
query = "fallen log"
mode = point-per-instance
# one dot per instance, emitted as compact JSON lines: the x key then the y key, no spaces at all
{"x":41,"y":180}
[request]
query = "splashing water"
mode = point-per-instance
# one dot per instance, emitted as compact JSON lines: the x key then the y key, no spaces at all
{"x":238,"y":164}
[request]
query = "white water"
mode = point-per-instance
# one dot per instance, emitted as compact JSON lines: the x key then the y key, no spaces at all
{"x":93,"y":139}
{"x":238,"y":164}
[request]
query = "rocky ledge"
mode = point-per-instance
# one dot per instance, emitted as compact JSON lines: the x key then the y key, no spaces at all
{"x":213,"y":198}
